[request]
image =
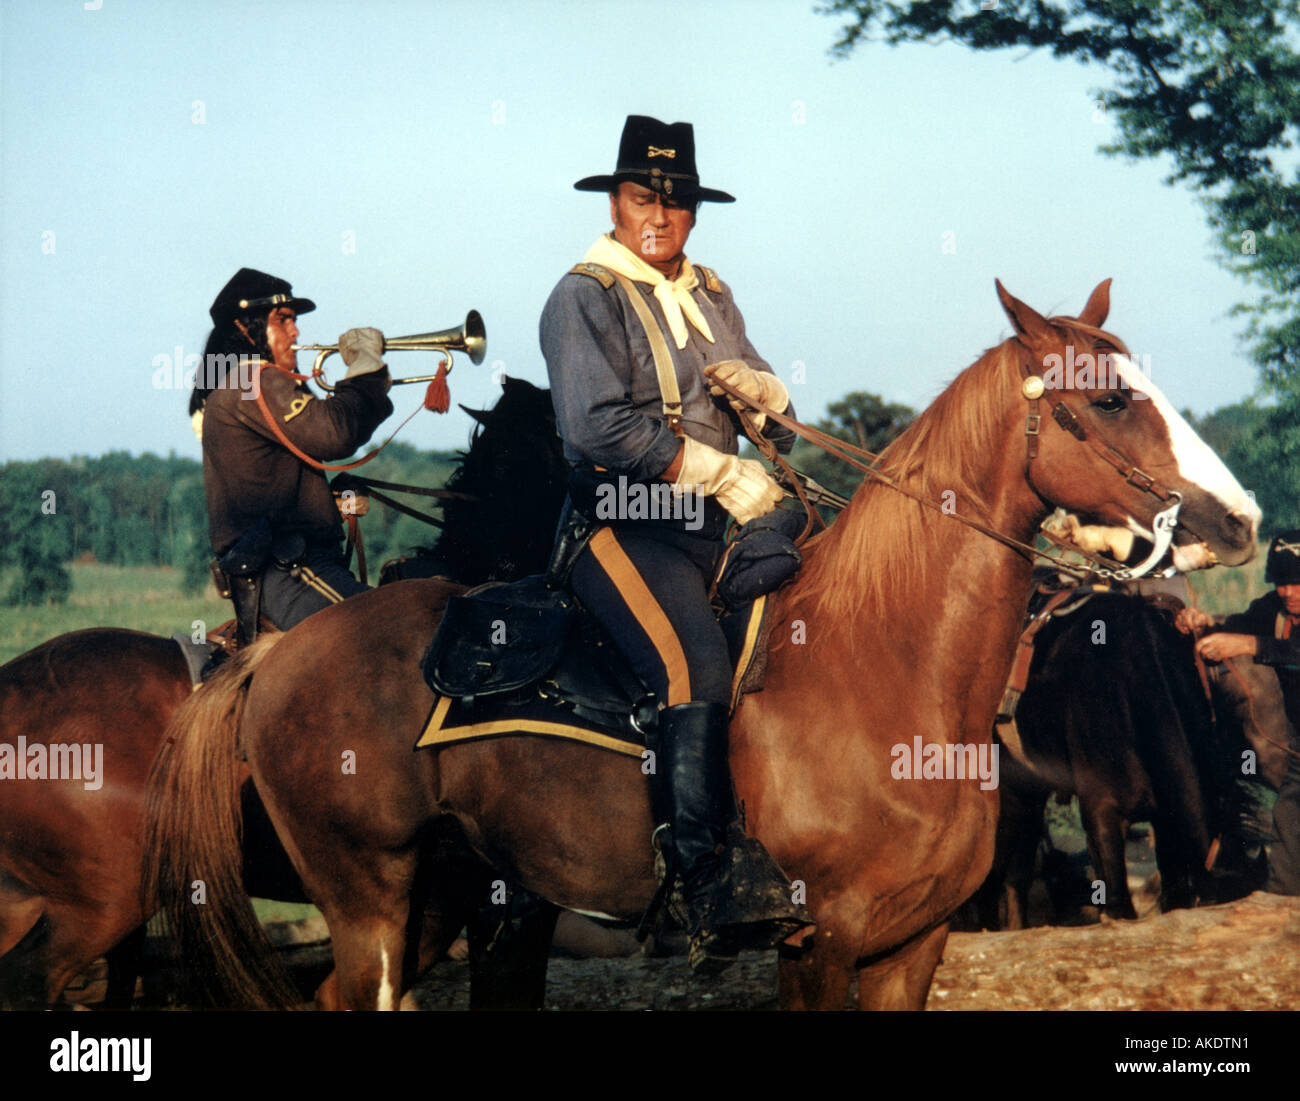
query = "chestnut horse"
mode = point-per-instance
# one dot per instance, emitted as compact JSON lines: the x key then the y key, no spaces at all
{"x":69,"y":852}
{"x":901,"y":626}
{"x":70,"y":856}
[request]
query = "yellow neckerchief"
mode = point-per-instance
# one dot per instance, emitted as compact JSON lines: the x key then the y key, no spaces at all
{"x":673,"y":295}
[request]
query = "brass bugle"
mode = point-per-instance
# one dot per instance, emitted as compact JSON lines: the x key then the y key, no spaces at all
{"x":470,"y":338}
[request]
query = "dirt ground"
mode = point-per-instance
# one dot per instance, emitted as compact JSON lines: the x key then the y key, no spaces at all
{"x":626,"y":979}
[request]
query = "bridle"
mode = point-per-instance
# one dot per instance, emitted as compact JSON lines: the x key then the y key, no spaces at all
{"x":1032,"y":389}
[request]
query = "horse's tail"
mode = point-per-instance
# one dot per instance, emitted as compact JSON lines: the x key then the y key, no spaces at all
{"x":193,"y":851}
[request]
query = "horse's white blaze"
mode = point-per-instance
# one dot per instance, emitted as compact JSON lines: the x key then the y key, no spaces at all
{"x":1196,"y":462}
{"x":386,"y":991}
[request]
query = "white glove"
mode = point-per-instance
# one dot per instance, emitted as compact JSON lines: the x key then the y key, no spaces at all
{"x":759,"y":385}
{"x":741,"y":486}
{"x":1094,"y":538}
{"x":362,"y":351}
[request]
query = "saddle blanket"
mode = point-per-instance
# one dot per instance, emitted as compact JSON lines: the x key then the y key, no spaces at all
{"x":547,"y":709}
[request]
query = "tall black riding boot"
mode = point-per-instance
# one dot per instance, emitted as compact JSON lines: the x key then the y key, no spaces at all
{"x":736,"y":897}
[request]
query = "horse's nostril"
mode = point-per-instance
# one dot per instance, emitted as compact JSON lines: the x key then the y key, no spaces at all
{"x":1240,"y":524}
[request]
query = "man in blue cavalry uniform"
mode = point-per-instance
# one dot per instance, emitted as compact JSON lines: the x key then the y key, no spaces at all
{"x":1269,"y":631}
{"x":632,"y":336}
{"x":273,"y":521}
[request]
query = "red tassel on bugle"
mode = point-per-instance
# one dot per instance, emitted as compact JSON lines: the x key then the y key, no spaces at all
{"x":437,"y":399}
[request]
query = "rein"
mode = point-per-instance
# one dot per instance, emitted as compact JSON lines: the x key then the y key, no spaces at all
{"x":1163,"y":524}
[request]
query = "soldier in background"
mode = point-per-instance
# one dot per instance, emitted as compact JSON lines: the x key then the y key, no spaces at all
{"x":1269,"y":632}
{"x":273,"y":522}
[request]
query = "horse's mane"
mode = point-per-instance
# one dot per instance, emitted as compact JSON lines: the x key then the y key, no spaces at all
{"x":884,"y":541}
{"x":515,"y":478}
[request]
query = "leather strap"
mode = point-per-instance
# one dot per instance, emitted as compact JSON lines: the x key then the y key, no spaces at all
{"x":1019,"y":677}
{"x":669,"y":394}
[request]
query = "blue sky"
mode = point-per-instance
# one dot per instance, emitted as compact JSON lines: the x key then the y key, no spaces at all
{"x":152,"y":148}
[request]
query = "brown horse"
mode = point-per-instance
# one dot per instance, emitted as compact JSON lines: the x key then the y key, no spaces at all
{"x":70,"y":856}
{"x":70,"y":847}
{"x":901,"y":626}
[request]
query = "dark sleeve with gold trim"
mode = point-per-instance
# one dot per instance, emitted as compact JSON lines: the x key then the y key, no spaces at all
{"x":325,"y":428}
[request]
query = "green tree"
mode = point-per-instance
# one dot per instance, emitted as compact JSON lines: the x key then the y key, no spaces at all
{"x":858,"y":418}
{"x":1213,"y":84}
{"x":190,"y":551}
{"x":1259,"y":443}
{"x":35,"y":536}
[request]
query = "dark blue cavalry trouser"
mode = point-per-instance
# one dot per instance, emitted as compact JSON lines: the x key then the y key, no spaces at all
{"x":649,"y":588}
{"x":291,"y":594}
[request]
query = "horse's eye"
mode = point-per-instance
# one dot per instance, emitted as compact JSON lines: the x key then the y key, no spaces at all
{"x":1110,"y":403}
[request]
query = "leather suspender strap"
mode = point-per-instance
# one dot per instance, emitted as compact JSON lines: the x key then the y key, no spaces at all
{"x":670,"y":395}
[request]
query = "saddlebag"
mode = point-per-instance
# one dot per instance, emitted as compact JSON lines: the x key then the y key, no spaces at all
{"x":499,"y":639}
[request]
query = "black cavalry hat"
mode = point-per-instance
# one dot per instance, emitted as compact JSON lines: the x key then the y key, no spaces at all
{"x":660,"y":156}
{"x":256,"y":292}
{"x":1284,"y":559}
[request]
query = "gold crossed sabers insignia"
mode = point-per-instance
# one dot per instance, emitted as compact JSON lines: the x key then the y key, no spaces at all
{"x":1283,"y":545}
{"x":655,"y":151}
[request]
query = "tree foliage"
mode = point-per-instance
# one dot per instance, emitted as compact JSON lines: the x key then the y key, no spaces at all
{"x":859,"y":418}
{"x":1260,"y":442}
{"x":147,"y":510}
{"x":1212,"y":84}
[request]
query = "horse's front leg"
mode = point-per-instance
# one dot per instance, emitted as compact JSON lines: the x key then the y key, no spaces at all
{"x":902,"y":979}
{"x":821,"y":976}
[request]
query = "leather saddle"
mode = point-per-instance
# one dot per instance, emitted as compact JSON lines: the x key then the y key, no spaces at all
{"x":503,"y":646}
{"x":526,"y":653}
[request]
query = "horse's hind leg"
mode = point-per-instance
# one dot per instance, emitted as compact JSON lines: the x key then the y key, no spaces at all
{"x":509,"y":953}
{"x":368,"y":910}
{"x":368,"y":957}
{"x":902,"y":979}
{"x":1104,"y":824}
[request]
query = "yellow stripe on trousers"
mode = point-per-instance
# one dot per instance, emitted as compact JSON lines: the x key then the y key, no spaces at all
{"x":640,"y":600}
{"x":308,"y":578}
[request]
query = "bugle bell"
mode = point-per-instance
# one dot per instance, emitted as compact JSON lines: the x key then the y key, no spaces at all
{"x":470,"y":338}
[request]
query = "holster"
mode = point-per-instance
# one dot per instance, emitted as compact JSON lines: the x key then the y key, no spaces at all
{"x":243,"y":565}
{"x":246,"y":595}
{"x":572,"y":535}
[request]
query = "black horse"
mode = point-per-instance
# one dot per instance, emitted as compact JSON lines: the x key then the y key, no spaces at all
{"x":1116,"y":713}
{"x":513,"y":480}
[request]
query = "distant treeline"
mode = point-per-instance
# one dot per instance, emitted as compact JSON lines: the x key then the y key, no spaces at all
{"x":1260,"y":443}
{"x":147,"y":510}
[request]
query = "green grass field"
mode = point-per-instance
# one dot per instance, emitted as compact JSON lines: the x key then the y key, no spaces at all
{"x":146,"y":598}
{"x":1221,"y":591}
{"x":149,"y":598}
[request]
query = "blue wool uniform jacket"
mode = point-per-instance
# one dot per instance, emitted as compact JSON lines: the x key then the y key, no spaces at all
{"x":608,"y":407}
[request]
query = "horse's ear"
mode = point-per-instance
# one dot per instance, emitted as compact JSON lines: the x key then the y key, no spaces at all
{"x":483,"y":416}
{"x":1094,"y":313}
{"x":1031,"y":326}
